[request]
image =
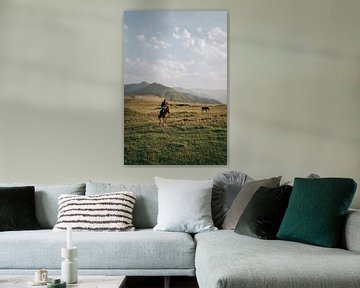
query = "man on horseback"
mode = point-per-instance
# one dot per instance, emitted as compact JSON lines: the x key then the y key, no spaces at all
{"x":163,"y":105}
{"x":164,"y":108}
{"x":164,"y":111}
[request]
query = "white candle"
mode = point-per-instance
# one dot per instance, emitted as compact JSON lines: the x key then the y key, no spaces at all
{"x":69,"y":237}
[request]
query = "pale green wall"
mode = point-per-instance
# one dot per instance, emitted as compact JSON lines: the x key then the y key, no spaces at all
{"x":294,"y":89}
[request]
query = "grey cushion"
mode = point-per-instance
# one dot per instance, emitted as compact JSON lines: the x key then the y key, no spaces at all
{"x":310,"y":176}
{"x":146,"y":204}
{"x":143,"y":249}
{"x":46,"y":200}
{"x":184,"y":205}
{"x":264,"y":212}
{"x":225,"y":189}
{"x":225,"y":259}
{"x":243,"y":198}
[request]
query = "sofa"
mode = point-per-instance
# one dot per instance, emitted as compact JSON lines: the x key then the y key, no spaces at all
{"x":218,"y":259}
{"x":244,"y":261}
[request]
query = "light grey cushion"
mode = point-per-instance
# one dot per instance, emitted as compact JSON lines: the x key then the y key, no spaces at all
{"x":184,"y":205}
{"x":46,"y":200}
{"x":225,"y":189}
{"x":146,"y":204}
{"x":243,"y":198}
{"x":137,"y":250}
{"x":225,"y":259}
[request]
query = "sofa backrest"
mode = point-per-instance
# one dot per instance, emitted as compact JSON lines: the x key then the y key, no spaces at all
{"x":146,"y":203}
{"x":46,"y":200}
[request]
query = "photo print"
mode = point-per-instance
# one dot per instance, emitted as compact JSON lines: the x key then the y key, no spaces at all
{"x":175,"y":88}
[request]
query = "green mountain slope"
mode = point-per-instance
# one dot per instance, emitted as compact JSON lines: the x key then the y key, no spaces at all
{"x":168,"y":93}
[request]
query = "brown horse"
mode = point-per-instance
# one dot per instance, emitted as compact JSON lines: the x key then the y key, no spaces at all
{"x":164,"y":113}
{"x":206,"y":109}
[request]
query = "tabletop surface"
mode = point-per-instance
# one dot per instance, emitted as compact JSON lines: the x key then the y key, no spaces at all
{"x":14,"y":281}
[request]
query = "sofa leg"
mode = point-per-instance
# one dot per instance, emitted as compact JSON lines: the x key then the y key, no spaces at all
{"x":167,"y":282}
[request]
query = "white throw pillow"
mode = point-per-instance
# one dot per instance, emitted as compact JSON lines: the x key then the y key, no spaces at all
{"x":184,"y":205}
{"x":104,"y":212}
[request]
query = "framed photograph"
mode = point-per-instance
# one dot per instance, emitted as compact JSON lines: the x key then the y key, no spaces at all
{"x":175,"y":88}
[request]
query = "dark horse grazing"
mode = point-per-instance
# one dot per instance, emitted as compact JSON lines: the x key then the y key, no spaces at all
{"x":206,"y":109}
{"x":164,"y":113}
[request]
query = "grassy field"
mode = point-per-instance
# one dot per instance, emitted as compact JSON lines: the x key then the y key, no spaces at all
{"x":192,"y":137}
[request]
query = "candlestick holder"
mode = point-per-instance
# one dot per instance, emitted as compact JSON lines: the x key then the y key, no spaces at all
{"x":69,"y":271}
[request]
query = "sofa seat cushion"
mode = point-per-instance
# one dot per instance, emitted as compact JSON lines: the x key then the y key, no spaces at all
{"x":226,"y":259}
{"x":138,"y":250}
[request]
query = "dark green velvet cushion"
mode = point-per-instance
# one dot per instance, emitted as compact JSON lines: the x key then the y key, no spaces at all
{"x":316,"y":211}
{"x":264,"y":212}
{"x":17,"y":208}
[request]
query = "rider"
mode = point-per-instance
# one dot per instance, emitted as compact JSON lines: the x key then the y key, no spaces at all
{"x":163,"y":106}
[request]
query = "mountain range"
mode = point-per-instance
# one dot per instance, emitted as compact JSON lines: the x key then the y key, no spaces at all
{"x":176,"y":94}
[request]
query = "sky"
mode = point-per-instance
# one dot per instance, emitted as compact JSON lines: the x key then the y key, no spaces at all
{"x":185,"y":49}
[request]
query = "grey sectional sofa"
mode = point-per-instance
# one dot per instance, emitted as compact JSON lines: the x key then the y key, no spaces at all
{"x":219,"y":259}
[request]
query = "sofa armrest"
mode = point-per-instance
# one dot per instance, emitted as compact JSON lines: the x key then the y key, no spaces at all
{"x":351,"y":234}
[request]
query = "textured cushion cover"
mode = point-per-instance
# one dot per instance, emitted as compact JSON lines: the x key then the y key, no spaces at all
{"x":146,"y":205}
{"x":17,"y":209}
{"x":316,"y":211}
{"x":263,"y":214}
{"x":184,"y":205}
{"x":226,"y":187}
{"x":106,"y":212}
{"x":243,"y":198}
{"x":46,"y":200}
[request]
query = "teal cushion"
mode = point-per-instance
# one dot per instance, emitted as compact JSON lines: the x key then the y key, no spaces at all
{"x":316,"y":211}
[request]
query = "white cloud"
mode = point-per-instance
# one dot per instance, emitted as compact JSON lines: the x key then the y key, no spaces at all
{"x":158,"y":44}
{"x":165,"y":52}
{"x":141,"y":37}
{"x":152,"y":42}
{"x":184,"y":36}
{"x":212,"y":47}
{"x":164,"y":71}
{"x":197,"y":60}
{"x":217,"y":35}
{"x":174,"y":73}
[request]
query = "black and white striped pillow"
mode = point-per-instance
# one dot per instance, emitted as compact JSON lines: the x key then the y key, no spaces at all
{"x":105,"y":212}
